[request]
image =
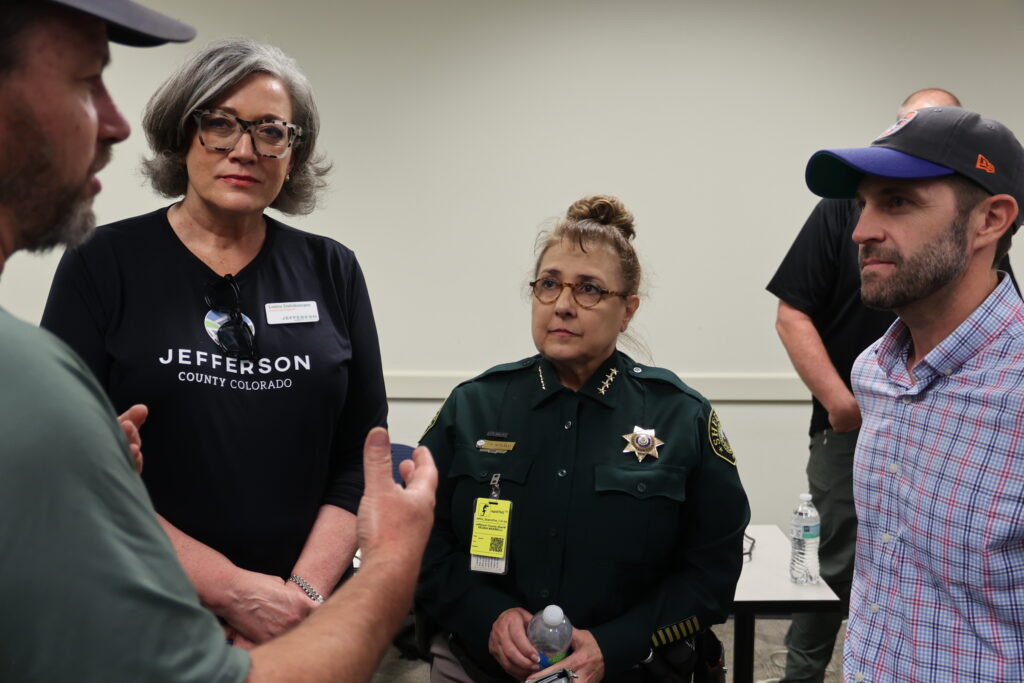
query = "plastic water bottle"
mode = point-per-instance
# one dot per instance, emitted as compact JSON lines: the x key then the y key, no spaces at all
{"x":550,"y":632}
{"x":805,"y":534}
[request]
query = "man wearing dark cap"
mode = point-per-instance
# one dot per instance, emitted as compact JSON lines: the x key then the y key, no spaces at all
{"x":824,"y":326}
{"x":90,"y":587}
{"x":938,"y":473}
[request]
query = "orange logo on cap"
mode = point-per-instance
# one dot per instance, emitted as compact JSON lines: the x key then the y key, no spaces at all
{"x":985,"y":165}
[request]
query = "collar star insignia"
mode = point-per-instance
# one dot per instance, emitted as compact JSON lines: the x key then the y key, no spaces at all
{"x":642,"y":442}
{"x":607,"y":381}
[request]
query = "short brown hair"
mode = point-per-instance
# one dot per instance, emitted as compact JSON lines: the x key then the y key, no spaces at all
{"x":968,"y":195}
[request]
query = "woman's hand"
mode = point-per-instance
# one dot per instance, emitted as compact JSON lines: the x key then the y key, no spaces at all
{"x":509,"y":644}
{"x":261,"y":607}
{"x":586,"y":660}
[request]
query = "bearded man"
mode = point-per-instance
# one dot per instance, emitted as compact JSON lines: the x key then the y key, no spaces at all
{"x":938,"y":470}
{"x":90,"y":586}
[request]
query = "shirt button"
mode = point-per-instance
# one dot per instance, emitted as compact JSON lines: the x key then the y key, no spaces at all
{"x":562,"y":473}
{"x":947,"y":373}
{"x":568,"y":423}
{"x":886,"y":538}
{"x":874,"y":608}
{"x":894,"y":468}
{"x":545,"y":593}
{"x":641,"y":487}
{"x":552,"y":532}
{"x":483,"y":473}
{"x":637,"y":370}
{"x":859,"y":677}
{"x":907,"y":399}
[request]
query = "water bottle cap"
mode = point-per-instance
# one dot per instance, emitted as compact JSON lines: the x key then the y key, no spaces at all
{"x":553,"y":615}
{"x":806,"y":497}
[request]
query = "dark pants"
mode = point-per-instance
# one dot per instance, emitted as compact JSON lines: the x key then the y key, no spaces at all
{"x":812,"y":635}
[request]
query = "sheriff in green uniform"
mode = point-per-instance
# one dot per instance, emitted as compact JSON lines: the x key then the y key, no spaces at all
{"x":620,"y":488}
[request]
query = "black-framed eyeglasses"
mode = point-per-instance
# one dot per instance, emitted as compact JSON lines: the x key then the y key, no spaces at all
{"x":586,"y":294}
{"x":748,"y":545}
{"x":234,"y":336}
{"x":270,"y":137}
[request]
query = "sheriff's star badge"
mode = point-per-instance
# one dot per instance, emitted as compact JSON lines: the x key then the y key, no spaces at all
{"x":642,"y":442}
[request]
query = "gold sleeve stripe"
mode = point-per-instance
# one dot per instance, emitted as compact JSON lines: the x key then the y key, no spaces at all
{"x":674,"y":632}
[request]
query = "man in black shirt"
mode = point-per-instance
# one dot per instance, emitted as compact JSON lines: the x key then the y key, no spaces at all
{"x":824,"y":327}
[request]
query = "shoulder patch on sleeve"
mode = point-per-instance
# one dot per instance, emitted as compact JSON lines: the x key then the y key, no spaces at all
{"x":433,"y":421}
{"x":718,"y":441}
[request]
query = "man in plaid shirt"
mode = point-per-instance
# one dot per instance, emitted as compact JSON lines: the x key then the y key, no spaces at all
{"x":938,"y":590}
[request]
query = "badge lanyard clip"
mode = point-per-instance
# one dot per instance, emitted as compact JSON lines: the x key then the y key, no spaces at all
{"x":496,"y":485}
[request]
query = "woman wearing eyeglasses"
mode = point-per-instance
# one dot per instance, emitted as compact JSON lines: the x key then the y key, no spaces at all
{"x":252,"y":343}
{"x":617,"y":490}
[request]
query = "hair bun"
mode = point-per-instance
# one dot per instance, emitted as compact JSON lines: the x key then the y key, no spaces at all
{"x":606,"y":210}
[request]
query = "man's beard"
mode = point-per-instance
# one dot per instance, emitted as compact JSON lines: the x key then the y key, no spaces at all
{"x":45,"y":215}
{"x":923,"y":274}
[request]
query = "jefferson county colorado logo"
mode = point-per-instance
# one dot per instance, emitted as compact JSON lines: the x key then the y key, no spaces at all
{"x":203,"y":366}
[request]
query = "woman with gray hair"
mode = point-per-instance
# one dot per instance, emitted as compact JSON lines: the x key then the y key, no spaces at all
{"x":252,"y":343}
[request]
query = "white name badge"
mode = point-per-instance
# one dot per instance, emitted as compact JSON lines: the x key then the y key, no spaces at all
{"x":292,"y":312}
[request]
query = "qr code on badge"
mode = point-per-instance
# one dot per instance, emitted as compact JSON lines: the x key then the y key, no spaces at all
{"x":497,"y":544}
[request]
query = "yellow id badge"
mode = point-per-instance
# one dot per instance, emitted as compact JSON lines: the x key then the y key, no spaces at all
{"x":488,"y":549}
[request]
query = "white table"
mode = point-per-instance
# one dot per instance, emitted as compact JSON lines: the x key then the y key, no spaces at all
{"x":764,"y":588}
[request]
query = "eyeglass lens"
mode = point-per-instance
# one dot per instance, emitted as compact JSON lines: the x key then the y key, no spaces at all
{"x":222,"y":131}
{"x":233,"y":336}
{"x":586,"y":294}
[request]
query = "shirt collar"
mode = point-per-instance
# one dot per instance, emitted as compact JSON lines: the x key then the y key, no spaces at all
{"x":603,"y":385}
{"x":981,"y":326}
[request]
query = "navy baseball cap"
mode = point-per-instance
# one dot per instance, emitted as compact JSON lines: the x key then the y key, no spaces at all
{"x":927,"y":143}
{"x":129,"y":23}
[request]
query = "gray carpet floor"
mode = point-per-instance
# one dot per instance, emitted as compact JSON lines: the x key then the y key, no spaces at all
{"x":769,"y":656}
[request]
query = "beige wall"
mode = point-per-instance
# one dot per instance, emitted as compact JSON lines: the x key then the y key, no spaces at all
{"x":458,"y":127}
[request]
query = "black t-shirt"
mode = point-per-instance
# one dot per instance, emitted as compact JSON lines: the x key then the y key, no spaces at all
{"x":238,"y":454}
{"x":820,"y":276}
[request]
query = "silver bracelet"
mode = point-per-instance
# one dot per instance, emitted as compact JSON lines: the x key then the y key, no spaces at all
{"x":306,"y":588}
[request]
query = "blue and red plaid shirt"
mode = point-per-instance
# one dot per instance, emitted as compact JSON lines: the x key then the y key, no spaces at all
{"x":938,"y":589}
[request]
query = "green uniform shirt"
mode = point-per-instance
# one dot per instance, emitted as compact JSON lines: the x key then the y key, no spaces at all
{"x":90,"y":587}
{"x":630,"y":550}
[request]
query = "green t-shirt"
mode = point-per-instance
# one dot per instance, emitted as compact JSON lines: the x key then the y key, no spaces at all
{"x":90,"y":588}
